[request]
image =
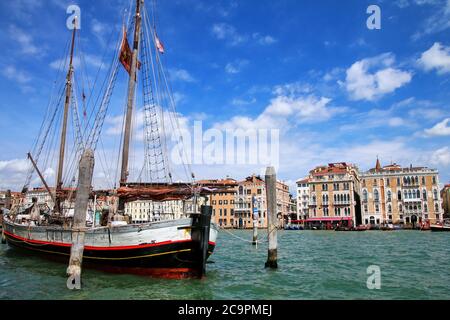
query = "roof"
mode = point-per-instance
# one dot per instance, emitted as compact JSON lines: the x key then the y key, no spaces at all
{"x":332,"y":168}
{"x":305,"y":180}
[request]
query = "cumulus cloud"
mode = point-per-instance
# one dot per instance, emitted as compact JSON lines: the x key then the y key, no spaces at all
{"x":235,"y":66}
{"x":440,"y":129}
{"x":436,"y":58}
{"x":372,"y":78}
{"x":224,"y":31}
{"x":441,"y":157}
{"x":12,"y":73}
{"x":181,"y":75}
{"x":25,"y":40}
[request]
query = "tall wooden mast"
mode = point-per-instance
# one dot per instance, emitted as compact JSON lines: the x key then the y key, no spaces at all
{"x":62,"y":147}
{"x":131,"y":92}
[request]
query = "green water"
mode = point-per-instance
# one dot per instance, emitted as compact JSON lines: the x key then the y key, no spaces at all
{"x":312,"y":265}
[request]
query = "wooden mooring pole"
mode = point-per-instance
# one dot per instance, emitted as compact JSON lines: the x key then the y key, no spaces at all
{"x":255,"y":222}
{"x":271,"y":198}
{"x":79,"y":219}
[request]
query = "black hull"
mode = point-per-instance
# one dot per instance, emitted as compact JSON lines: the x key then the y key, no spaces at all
{"x":177,"y":258}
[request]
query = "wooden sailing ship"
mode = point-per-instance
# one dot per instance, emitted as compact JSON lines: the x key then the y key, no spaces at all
{"x":180,"y":246}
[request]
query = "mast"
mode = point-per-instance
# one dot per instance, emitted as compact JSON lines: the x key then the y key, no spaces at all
{"x":131,"y":93}
{"x":62,"y":146}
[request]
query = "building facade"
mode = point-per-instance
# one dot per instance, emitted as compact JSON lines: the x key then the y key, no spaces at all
{"x":222,"y":201}
{"x":251,"y":198}
{"x":445,"y":195}
{"x":396,"y":195}
{"x":334,"y":196}
{"x":303,"y":199}
{"x":143,"y":211}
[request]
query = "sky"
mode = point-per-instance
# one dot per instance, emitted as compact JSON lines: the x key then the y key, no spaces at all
{"x":333,"y":89}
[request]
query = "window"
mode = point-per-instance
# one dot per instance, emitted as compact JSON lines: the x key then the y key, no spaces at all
{"x":389,"y":208}
{"x":376,"y":195}
{"x":325,"y":212}
{"x":399,"y":195}
{"x":225,"y":212}
{"x":423,"y":180}
{"x":377,"y":208}
{"x":249,"y":191}
{"x":388,"y":183}
{"x":435,"y":194}
{"x":313,"y":187}
{"x":436,"y":207}
{"x":424,"y":195}
{"x":389,"y":196}
{"x":365,"y":195}
{"x":325,"y":187}
{"x":259,"y":191}
{"x":366,"y":208}
{"x":400,"y":208}
{"x":375,"y":182}
{"x":425,"y":207}
{"x":220,"y":212}
{"x":434,"y":179}
{"x":398,"y":181}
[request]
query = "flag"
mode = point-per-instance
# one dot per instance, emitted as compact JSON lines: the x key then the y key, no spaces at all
{"x":159,"y":44}
{"x":126,"y":54}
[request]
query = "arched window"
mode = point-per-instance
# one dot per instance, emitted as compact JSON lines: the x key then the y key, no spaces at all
{"x":408,"y":180}
{"x":389,"y":208}
{"x":417,"y":180}
{"x":241,"y":190}
{"x":376,"y":195}
{"x":425,"y":207}
{"x":418,"y":194}
{"x":435,"y":194}
{"x":399,"y":195}
{"x":389,"y":196}
{"x":405,"y":194}
{"x":365,"y":195}
{"x":424,"y":195}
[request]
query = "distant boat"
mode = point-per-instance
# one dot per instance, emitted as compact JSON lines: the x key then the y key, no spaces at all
{"x":441,"y":226}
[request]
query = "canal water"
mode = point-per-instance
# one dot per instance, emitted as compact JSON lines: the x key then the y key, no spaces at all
{"x":312,"y":265}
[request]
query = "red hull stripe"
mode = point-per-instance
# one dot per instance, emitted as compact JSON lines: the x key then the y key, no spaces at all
{"x":61,"y":244}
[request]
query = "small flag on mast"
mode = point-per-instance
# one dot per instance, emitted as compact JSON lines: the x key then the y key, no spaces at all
{"x":159,"y":44}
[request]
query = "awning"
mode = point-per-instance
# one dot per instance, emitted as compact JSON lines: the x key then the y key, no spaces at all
{"x":327,"y":219}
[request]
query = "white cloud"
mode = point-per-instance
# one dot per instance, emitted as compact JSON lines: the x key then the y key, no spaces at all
{"x":440,"y":129}
{"x":236,"y":66}
{"x":25,"y":41}
{"x":13,"y":173}
{"x":224,"y":31}
{"x":441,"y":157}
{"x":243,"y":102}
{"x":437,"y":22}
{"x":264,"y":39}
{"x":284,"y":113}
{"x":436,"y":58}
{"x":362,"y":84}
{"x":16,"y":75}
{"x":181,"y":75}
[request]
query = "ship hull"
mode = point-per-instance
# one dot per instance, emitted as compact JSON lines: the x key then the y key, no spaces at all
{"x":440,"y":228}
{"x":163,"y":248}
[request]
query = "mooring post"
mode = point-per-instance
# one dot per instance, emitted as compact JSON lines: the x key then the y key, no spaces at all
{"x":271,"y":199}
{"x":255,"y":222}
{"x":79,"y":219}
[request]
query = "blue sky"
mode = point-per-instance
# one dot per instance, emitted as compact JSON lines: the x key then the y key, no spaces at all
{"x":336,"y":90}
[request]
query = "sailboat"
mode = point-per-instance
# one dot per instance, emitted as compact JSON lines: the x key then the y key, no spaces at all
{"x":173,"y":246}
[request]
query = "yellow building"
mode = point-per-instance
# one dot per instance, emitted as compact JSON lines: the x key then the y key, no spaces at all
{"x":396,"y":195}
{"x":333,"y":196}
